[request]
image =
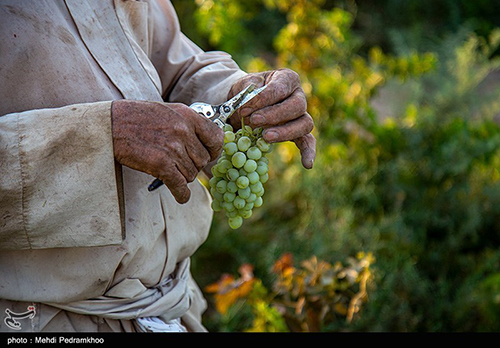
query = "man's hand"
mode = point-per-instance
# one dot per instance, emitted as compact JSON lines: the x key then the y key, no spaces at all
{"x":281,"y":109}
{"x":167,"y":140}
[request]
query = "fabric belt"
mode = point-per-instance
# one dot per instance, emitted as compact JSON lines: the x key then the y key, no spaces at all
{"x":155,"y":324}
{"x":130,"y":299}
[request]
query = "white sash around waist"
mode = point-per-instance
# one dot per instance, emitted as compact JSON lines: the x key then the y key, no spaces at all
{"x":130,"y":299}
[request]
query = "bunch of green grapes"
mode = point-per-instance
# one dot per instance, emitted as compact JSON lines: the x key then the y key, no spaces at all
{"x":237,"y":185}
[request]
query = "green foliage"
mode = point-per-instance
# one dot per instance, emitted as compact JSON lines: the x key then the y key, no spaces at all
{"x":421,"y":22}
{"x":237,"y":26}
{"x":407,"y":166}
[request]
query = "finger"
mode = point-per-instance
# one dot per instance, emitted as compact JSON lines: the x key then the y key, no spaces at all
{"x":289,"y":131}
{"x":175,"y":153}
{"x":177,"y":184}
{"x":170,"y":174}
{"x":307,"y":147}
{"x":198,"y":154}
{"x":184,"y":163}
{"x":280,"y":85}
{"x":285,"y":111}
{"x":210,"y":135}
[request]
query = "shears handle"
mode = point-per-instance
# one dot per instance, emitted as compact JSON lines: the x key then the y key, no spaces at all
{"x":209,"y":111}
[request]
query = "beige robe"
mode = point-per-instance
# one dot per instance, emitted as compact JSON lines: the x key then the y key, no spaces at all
{"x":81,"y":238}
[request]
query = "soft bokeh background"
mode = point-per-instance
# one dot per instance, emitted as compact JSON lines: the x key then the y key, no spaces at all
{"x":397,"y":226}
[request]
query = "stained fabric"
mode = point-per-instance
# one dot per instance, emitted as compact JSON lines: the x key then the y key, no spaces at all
{"x":78,"y":231}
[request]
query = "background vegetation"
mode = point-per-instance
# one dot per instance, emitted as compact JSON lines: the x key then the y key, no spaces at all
{"x":397,"y":226}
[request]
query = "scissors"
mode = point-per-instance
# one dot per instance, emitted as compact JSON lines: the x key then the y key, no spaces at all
{"x":219,"y":113}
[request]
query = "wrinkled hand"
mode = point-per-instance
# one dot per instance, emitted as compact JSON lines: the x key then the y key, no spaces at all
{"x":169,"y":141}
{"x":281,"y":109}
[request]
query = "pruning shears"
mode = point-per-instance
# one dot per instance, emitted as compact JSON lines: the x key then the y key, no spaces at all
{"x":219,"y":113}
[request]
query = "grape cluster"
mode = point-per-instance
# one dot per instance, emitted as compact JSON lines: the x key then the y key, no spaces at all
{"x":237,"y":185}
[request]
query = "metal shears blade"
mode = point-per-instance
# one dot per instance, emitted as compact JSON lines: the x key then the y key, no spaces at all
{"x":220,"y":113}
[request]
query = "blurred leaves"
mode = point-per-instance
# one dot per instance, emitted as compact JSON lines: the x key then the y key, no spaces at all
{"x":228,"y":289}
{"x":318,"y":293}
{"x":407,"y":169}
{"x":305,"y":299}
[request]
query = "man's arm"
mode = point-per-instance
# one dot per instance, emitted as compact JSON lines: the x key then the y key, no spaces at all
{"x":57,"y":178}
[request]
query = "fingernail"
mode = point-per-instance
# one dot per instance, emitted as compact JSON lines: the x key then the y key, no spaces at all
{"x":257,"y":120}
{"x":270,"y":136}
{"x":308,"y":164}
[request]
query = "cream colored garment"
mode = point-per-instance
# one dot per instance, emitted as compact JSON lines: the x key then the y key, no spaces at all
{"x":157,"y":325}
{"x":61,"y":226}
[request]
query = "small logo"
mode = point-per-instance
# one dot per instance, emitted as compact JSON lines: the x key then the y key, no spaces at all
{"x":12,"y":317}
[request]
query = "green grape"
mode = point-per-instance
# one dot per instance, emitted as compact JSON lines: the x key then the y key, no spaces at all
{"x":231,"y":187}
{"x":248,"y":130}
{"x":227,"y":128}
{"x":215,"y":171}
{"x":233,"y":174}
{"x":253,"y":177}
{"x":250,"y":166}
{"x":216,"y":195}
{"x":260,"y":193}
{"x":229,"y":197}
{"x":233,"y":213}
{"x":228,"y":206}
{"x":235,"y":222}
{"x":213,"y":181}
{"x":257,"y":187}
{"x":230,"y":148}
{"x":221,"y":186}
{"x":257,"y":132}
{"x":244,"y":193}
{"x":242,"y":182}
{"x":258,"y":202}
{"x":263,"y":160}
{"x":262,"y":169}
{"x":245,"y":214}
{"x":254,"y":153}
{"x":248,"y":206}
{"x":263,"y":145}
{"x":216,"y":205}
{"x":223,"y":165}
{"x":229,"y":137}
{"x":239,"y":203}
{"x":264,"y":178}
{"x":252,"y":197}
{"x":238,"y":159}
{"x":244,"y":143}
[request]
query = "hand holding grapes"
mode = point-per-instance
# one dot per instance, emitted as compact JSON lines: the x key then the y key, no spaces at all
{"x":278,"y":114}
{"x":281,"y":110}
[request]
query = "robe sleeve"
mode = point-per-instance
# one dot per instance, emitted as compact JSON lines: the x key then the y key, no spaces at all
{"x":188,"y":74}
{"x":57,"y":178}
